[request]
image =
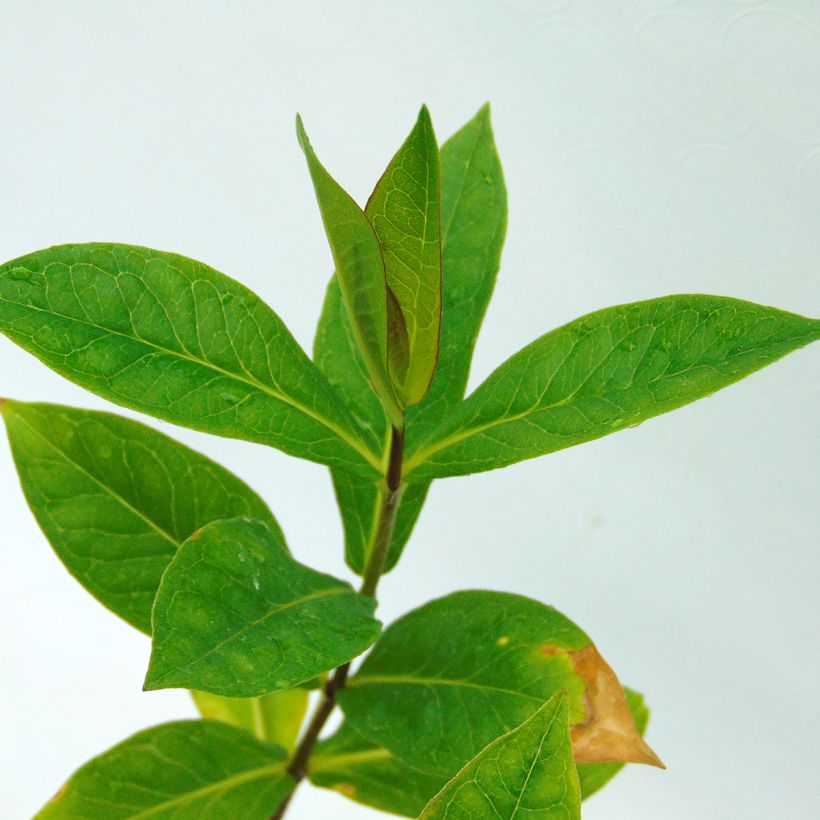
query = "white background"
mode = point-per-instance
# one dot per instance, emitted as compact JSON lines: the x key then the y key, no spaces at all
{"x":650,"y":147}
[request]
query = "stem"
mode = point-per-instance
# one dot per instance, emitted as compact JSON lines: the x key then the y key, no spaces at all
{"x":298,"y":766}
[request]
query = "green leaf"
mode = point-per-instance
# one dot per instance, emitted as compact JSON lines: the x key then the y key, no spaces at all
{"x":116,"y":499}
{"x":527,"y":772}
{"x":360,"y":272}
{"x":474,"y":218}
{"x":452,"y":676}
{"x":371,"y":775}
{"x":275,"y":718}
{"x":176,"y":339}
{"x":595,"y":776}
{"x":236,"y":615}
{"x":607,"y":371}
{"x":179,"y":770}
{"x":367,"y":773}
{"x":474,"y":222}
{"x":405,"y":211}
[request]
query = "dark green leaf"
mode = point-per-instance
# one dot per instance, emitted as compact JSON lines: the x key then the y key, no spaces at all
{"x":176,"y":339}
{"x":275,"y":718}
{"x":359,"y":271}
{"x":237,"y":616}
{"x":595,"y":776}
{"x":474,"y":218}
{"x":178,"y":770}
{"x":607,"y":371}
{"x":527,"y":772}
{"x":116,"y":499}
{"x":452,"y":676}
{"x":405,"y":211}
{"x":368,"y":774}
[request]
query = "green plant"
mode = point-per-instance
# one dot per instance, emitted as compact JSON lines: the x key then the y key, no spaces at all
{"x":478,"y":704}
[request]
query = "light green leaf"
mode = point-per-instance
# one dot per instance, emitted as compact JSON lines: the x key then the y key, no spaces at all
{"x":595,"y":776}
{"x":236,"y":615}
{"x":360,"y":273}
{"x":190,"y":768}
{"x":452,"y":676}
{"x":474,"y":218}
{"x":607,"y":371}
{"x":275,"y":718}
{"x":116,"y":499}
{"x":526,"y":773}
{"x":371,"y":775}
{"x":171,"y":337}
{"x":405,"y":211}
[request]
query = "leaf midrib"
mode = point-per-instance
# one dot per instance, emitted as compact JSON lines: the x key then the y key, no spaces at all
{"x":377,"y":680}
{"x":358,"y":446}
{"x":162,"y":532}
{"x":425,"y":452}
{"x":221,"y":785}
{"x":321,"y":593}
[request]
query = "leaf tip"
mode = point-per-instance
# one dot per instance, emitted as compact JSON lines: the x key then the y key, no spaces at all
{"x":301,"y":134}
{"x":608,"y":733}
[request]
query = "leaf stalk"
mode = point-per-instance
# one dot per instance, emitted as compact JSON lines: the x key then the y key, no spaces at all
{"x":298,"y":766}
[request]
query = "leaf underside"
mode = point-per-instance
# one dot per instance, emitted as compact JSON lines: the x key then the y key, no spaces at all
{"x":275,"y":718}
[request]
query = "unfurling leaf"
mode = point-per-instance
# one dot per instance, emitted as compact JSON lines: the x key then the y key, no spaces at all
{"x":474,"y":219}
{"x":371,"y":775}
{"x":528,"y":772}
{"x":450,"y":677}
{"x":607,"y":371}
{"x":191,"y":768}
{"x":116,"y":499}
{"x":405,"y":211}
{"x":237,"y":616}
{"x":275,"y":718}
{"x":360,"y":273}
{"x":173,"y":338}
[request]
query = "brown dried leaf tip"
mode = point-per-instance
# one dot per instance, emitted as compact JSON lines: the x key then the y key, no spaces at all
{"x":608,"y":733}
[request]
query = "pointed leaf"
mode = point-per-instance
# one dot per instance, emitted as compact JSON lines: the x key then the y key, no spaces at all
{"x":171,"y":337}
{"x":371,"y":775}
{"x":360,"y":272}
{"x":116,"y":499}
{"x":185,"y":769}
{"x":275,"y":718}
{"x":527,"y":772}
{"x":450,"y":677}
{"x":607,"y":371}
{"x":595,"y":776}
{"x":237,"y":616}
{"x":367,"y":773}
{"x":474,"y":222}
{"x":474,"y":218}
{"x":405,"y":211}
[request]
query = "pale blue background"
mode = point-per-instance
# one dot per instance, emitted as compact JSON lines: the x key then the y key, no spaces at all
{"x":649,"y":148}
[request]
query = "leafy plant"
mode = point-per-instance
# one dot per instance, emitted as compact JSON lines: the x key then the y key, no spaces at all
{"x":479,"y":704}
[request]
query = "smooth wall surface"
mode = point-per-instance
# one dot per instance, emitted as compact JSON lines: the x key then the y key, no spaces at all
{"x":650,"y":147}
